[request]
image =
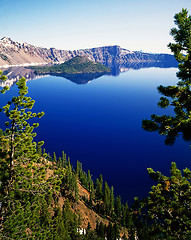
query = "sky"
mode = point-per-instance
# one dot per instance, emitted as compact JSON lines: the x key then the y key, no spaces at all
{"x":136,"y":25}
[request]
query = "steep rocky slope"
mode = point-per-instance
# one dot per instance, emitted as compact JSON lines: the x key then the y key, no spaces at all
{"x":14,"y":53}
{"x":85,"y":211}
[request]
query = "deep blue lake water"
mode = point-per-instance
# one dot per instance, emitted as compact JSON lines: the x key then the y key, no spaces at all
{"x":99,"y":124}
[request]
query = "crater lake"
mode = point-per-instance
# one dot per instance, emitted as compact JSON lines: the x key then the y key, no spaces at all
{"x":98,"y":122}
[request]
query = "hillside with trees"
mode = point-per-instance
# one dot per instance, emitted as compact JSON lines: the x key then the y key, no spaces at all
{"x":76,"y":65}
{"x":45,"y":197}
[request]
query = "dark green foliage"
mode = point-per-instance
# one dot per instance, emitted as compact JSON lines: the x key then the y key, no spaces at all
{"x":64,"y":161}
{"x":3,"y":78}
{"x":29,"y":200}
{"x":110,"y":232}
{"x":90,"y":184}
{"x":54,"y":157}
{"x":31,"y":185}
{"x":99,"y":187}
{"x":126,"y":218}
{"x":167,"y":209}
{"x":166,"y":214}
{"x":78,"y":64}
{"x":106,"y":198}
{"x":100,"y":230}
{"x":179,"y":97}
{"x":69,"y":181}
{"x":118,"y":206}
{"x":112,"y":200}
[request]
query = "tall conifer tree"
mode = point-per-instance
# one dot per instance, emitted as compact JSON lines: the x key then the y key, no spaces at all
{"x":26,"y":193}
{"x":177,"y":96}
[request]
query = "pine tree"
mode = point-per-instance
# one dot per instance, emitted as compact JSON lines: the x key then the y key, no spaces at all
{"x":177,"y":96}
{"x":118,"y":206}
{"x":78,"y":169}
{"x":27,"y":195}
{"x":54,"y":157}
{"x":110,"y":232}
{"x":106,"y":198}
{"x":100,"y":230}
{"x":168,"y":207}
{"x":128,"y":216}
{"x":21,"y":193}
{"x":116,"y":231}
{"x":99,"y":187}
{"x":64,"y":162}
{"x":112,"y":200}
{"x":3,"y":78}
{"x":89,"y":181}
{"x":19,"y":135}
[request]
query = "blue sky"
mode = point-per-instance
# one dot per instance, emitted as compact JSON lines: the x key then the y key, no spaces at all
{"x":77,"y":24}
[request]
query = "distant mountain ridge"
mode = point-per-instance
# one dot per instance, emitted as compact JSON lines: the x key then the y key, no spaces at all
{"x":15,"y":53}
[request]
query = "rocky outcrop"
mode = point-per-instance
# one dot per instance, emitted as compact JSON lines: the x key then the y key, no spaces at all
{"x":14,"y":53}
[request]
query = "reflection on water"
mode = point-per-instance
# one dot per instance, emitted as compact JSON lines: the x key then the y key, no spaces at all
{"x":15,"y":73}
{"x":118,"y":68}
{"x":99,"y":124}
{"x":80,"y":78}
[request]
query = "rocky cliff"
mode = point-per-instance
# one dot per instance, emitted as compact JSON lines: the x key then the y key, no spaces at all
{"x":15,"y":53}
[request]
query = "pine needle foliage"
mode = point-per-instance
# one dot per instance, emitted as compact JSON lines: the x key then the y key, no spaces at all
{"x":178,"y":97}
{"x":29,"y":184}
{"x":166,"y":214}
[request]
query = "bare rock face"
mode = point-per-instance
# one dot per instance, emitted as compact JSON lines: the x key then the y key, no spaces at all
{"x":15,"y":53}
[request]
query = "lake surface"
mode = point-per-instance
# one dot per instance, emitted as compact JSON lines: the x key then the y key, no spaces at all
{"x":99,"y":124}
